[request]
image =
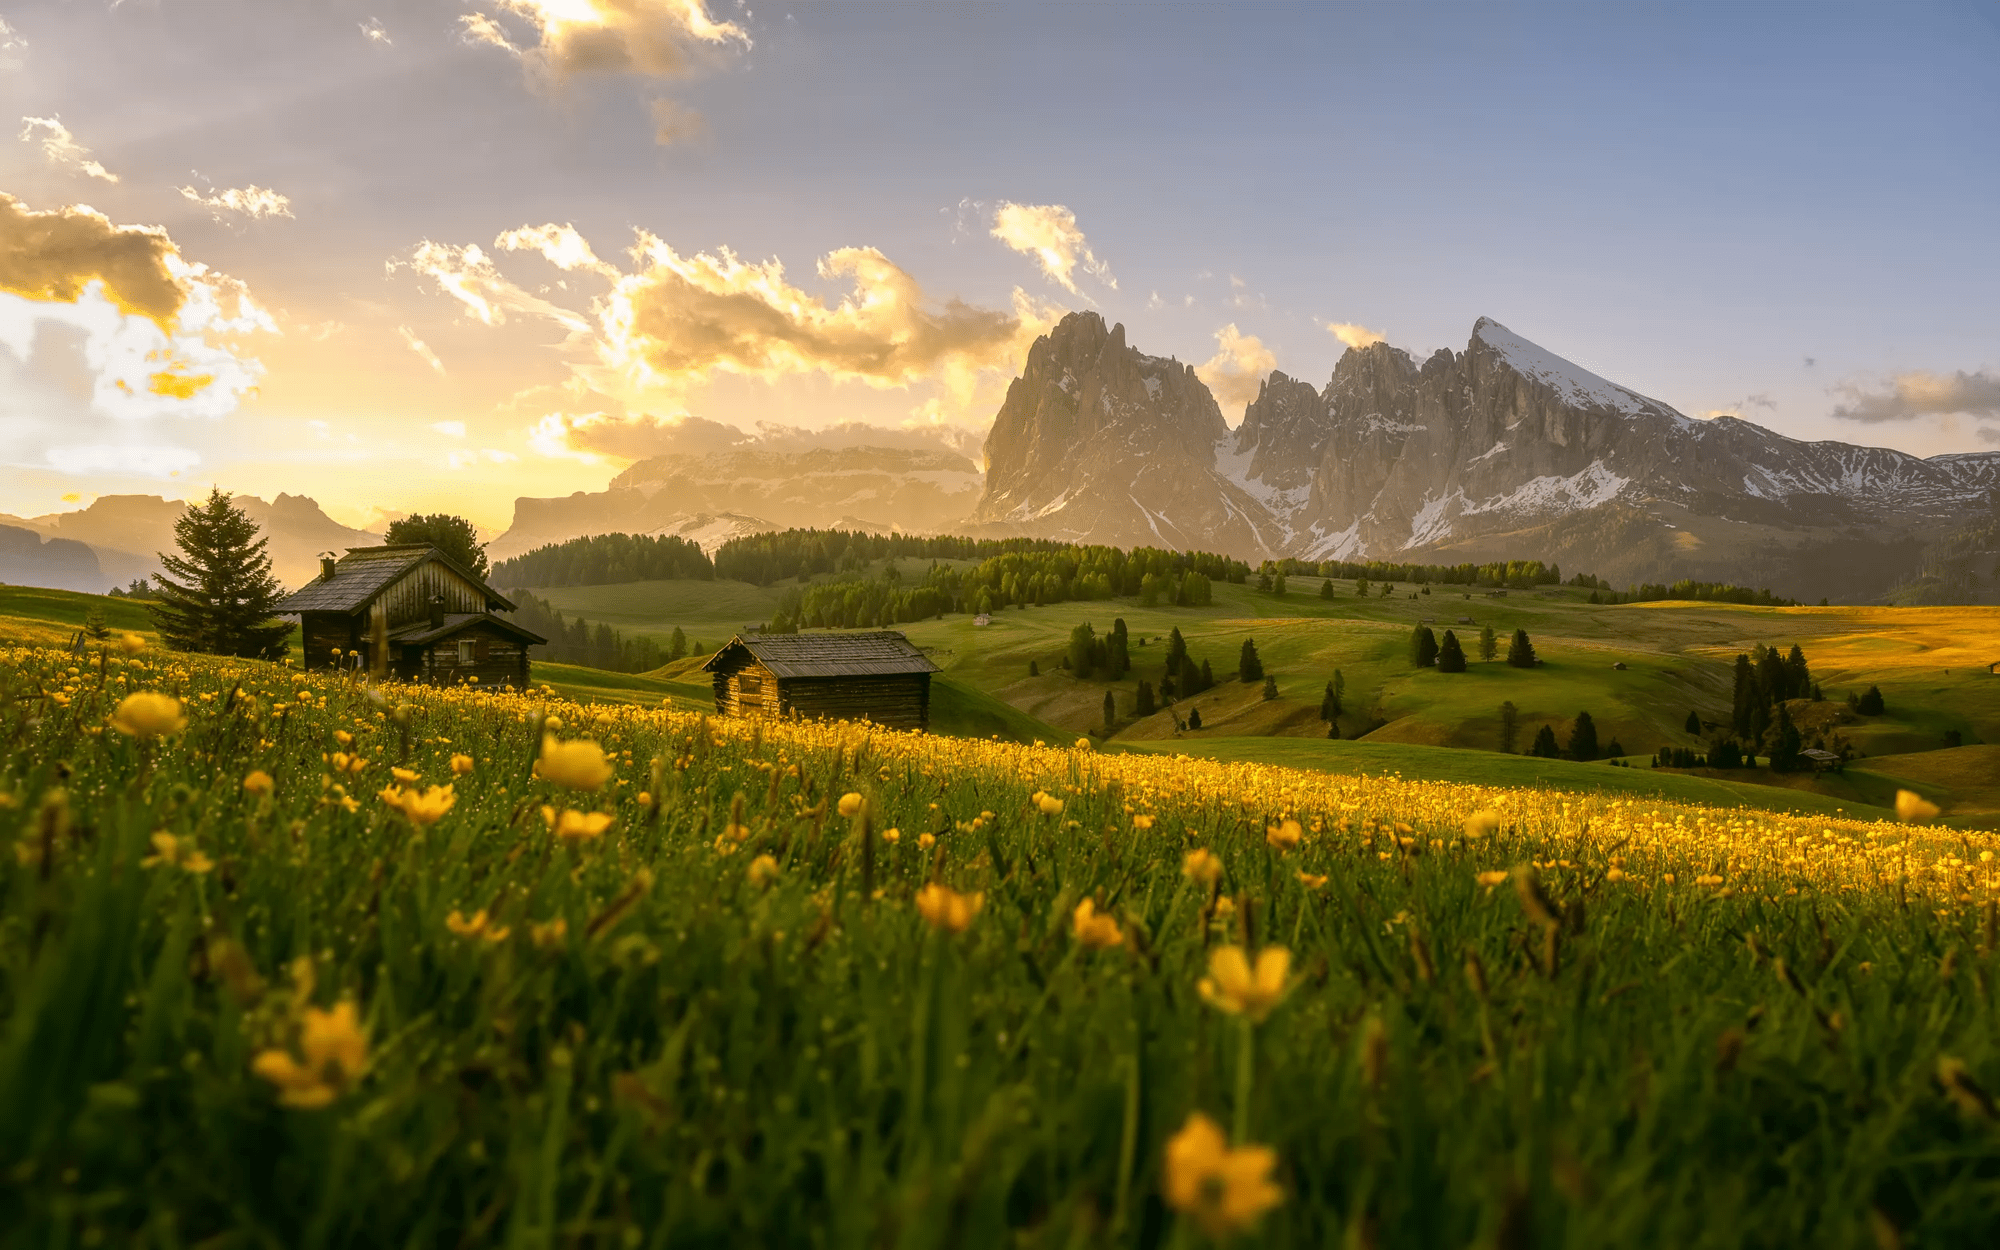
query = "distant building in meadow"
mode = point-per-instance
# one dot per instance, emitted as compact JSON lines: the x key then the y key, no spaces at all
{"x":435,"y":618}
{"x":877,"y":676}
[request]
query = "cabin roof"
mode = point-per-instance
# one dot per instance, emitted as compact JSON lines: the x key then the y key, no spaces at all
{"x":420,"y":633}
{"x":877,"y":653}
{"x":365,"y":572}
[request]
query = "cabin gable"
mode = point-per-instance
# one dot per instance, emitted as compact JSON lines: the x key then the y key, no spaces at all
{"x":878,"y":677}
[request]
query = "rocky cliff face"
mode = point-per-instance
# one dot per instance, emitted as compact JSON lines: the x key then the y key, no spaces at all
{"x":1100,"y":443}
{"x":1502,"y":450}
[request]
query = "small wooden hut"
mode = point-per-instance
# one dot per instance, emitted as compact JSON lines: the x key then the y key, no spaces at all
{"x":876,"y":676}
{"x":437,"y":617}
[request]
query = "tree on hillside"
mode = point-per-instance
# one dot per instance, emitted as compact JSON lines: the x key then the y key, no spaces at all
{"x":1142,"y":704}
{"x":1329,"y":704}
{"x":1194,"y":718}
{"x":1361,"y":587}
{"x":1423,"y":647}
{"x":1510,"y":726}
{"x":1207,"y":678}
{"x":1248,"y":666}
{"x":1110,"y":713}
{"x":1693,"y":725}
{"x":1545,"y":747}
{"x":1270,"y":688}
{"x":1489,"y":646}
{"x":1117,"y":651}
{"x":1785,"y":750}
{"x":1082,"y":645}
{"x":450,"y":534}
{"x":1521,"y":652}
{"x":1176,"y":650}
{"x":218,"y":595}
{"x":1326,"y":589}
{"x":1278,"y":583}
{"x":677,"y":646}
{"x":1451,"y":656}
{"x":1583,"y":738}
{"x":1870,"y":703}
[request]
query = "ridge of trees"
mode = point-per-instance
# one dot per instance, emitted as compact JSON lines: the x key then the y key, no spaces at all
{"x":605,"y":559}
{"x":574,"y":640}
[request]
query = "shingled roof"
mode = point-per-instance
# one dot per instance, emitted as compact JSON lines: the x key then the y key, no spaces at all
{"x":423,"y":632}
{"x":365,"y":572}
{"x":826,"y":655}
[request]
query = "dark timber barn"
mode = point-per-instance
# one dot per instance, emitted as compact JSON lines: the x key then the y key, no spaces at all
{"x":437,"y":616}
{"x":874,"y":676}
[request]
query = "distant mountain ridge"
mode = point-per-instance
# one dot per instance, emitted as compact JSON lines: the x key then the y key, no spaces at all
{"x":1502,"y":450}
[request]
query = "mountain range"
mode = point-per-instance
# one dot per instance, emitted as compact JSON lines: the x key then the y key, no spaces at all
{"x":1502,"y":451}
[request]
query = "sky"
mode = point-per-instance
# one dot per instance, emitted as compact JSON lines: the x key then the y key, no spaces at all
{"x":435,"y":256}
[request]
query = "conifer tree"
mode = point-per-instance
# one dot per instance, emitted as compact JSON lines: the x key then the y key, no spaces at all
{"x":1270,"y":688}
{"x":1545,"y":747}
{"x":1117,"y":651}
{"x":1110,"y":713}
{"x":1583,"y":738}
{"x":1423,"y":647}
{"x":1194,"y":718}
{"x":1489,"y":646}
{"x":1450,"y":656}
{"x":1081,"y":647}
{"x":677,"y":646}
{"x":1326,"y":589}
{"x":1510,"y":726}
{"x":218,"y":595}
{"x":1521,"y":652}
{"x":1207,"y":678}
{"x":1176,"y":650}
{"x":1143,"y":702}
{"x":1248,"y":667}
{"x":1870,"y":703}
{"x":1785,"y":750}
{"x":1693,"y":725}
{"x":1329,"y":706}
{"x":1278,"y":583}
{"x":453,"y":535}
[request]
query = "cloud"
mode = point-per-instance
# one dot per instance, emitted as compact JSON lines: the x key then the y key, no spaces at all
{"x":123,"y":459}
{"x":61,"y":147}
{"x":1353,"y":334}
{"x":56,"y":254}
{"x":560,"y":245}
{"x":1048,"y":232}
{"x":450,"y":429}
{"x":1239,"y":366}
{"x":1912,"y":395}
{"x":251,"y":201}
{"x":1990,"y":434}
{"x":373,"y":31}
{"x":1761,"y":399}
{"x":10,"y":39}
{"x":654,"y":38}
{"x":674,"y":122}
{"x":468,"y":275}
{"x":430,"y":357}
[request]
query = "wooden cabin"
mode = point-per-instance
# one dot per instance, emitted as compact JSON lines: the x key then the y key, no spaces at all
{"x":876,"y":676}
{"x":437,"y":616}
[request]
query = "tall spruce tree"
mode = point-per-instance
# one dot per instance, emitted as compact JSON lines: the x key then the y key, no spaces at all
{"x":1248,"y":666}
{"x":1451,"y":656}
{"x":1521,"y":652}
{"x":1583,"y":738}
{"x":1510,"y":726}
{"x":1545,"y":747}
{"x":1489,"y":646}
{"x":218,"y":596}
{"x":1110,"y":713}
{"x":1693,"y":725}
{"x":450,"y":534}
{"x":1423,"y":647}
{"x":1118,"y":650}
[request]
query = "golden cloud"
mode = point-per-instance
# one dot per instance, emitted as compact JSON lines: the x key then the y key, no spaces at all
{"x":55,"y":255}
{"x":468,"y":275}
{"x":1352,"y":334}
{"x":655,"y":38}
{"x":1049,"y":233}
{"x":1238,"y":368}
{"x":251,"y":201}
{"x":61,"y":147}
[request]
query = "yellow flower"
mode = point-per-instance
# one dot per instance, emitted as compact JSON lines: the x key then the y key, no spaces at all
{"x":461,"y":765}
{"x":479,"y":926}
{"x":406,"y":776}
{"x":850,"y":804}
{"x":1048,"y":804}
{"x":1285,"y":835}
{"x":763,"y":870}
{"x":892,"y":835}
{"x":1913,"y":806}
{"x":1490,"y":879}
{"x":579,"y":765}
{"x":178,"y":853}
{"x":1083,"y":744}
{"x":1310,"y":881}
{"x":1482,"y":824}
{"x":1202,"y":865}
{"x":426,"y":808}
{"x":343,"y":737}
{"x":1232,"y":985}
{"x":925,"y":841}
{"x":131,"y":644}
{"x":148,"y":714}
{"x":258,"y":782}
{"x":545,"y":936}
{"x":1093,"y":930}
{"x":947,"y":909}
{"x":1142,"y":823}
{"x":1223,"y":1190}
{"x":336,"y":1052}
{"x":574,"y":826}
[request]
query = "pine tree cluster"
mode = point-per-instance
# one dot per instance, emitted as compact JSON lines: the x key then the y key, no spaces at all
{"x":604,"y":560}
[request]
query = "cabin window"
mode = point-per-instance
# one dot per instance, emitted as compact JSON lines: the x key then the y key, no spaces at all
{"x":465,"y":651}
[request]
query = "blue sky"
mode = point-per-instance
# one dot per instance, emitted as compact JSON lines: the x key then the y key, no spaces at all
{"x":1776,"y":210}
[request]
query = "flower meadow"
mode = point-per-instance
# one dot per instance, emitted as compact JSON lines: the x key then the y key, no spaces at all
{"x":289,"y":959}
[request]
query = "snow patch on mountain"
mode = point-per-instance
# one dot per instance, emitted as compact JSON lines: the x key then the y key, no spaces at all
{"x":1573,"y":383}
{"x":1555,"y":496}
